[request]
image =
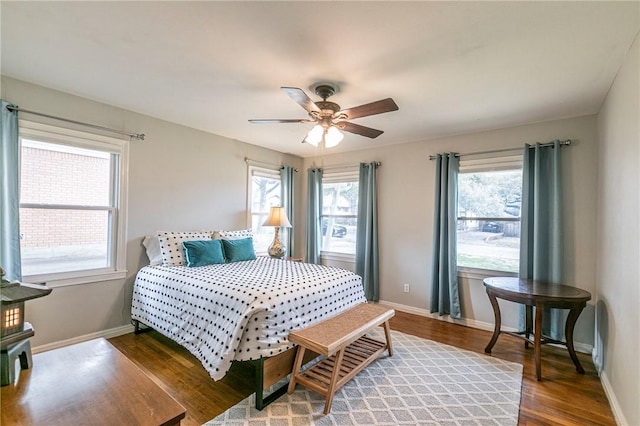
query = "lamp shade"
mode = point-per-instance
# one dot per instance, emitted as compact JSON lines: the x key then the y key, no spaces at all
{"x":277,"y":217}
{"x":314,"y":137}
{"x":333,"y":137}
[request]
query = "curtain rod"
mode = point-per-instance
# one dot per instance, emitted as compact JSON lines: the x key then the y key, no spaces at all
{"x":264,"y":163}
{"x":348,"y":166}
{"x":566,"y":142}
{"x":139,"y":136}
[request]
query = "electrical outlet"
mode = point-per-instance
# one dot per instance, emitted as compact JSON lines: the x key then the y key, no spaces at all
{"x":406,"y":288}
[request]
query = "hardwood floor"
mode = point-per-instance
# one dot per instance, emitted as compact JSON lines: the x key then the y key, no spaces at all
{"x":564,"y":397}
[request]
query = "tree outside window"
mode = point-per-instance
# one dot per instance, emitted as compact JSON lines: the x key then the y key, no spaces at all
{"x":489,"y":220}
{"x":265,"y":193}
{"x":339,"y":213}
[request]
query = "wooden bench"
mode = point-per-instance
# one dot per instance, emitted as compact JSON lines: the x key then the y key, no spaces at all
{"x":341,"y":340}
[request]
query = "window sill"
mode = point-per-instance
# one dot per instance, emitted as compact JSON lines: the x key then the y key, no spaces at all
{"x":480,"y":274}
{"x":338,"y":257}
{"x":74,"y":278}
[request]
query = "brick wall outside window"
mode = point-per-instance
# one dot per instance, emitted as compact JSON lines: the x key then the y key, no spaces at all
{"x":53,"y":177}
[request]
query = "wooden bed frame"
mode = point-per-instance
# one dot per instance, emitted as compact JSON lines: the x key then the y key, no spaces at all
{"x":268,"y":370}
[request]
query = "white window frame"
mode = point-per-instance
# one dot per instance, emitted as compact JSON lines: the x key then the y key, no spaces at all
{"x":349,"y":174}
{"x":267,"y":172}
{"x":488,"y":164}
{"x":118,"y":208}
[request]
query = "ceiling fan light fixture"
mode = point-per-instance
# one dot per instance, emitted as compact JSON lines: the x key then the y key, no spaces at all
{"x":314,"y":137}
{"x":332,"y":137}
{"x":329,"y":117}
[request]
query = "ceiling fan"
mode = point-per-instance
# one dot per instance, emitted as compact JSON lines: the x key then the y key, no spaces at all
{"x":328,"y":116}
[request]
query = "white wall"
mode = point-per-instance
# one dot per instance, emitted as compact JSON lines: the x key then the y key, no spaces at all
{"x":179,"y":179}
{"x":406,"y":186}
{"x":618,"y":255}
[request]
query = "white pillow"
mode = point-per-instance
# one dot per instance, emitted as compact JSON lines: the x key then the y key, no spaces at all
{"x":232,"y":235}
{"x":152,"y":245}
{"x":171,"y":245}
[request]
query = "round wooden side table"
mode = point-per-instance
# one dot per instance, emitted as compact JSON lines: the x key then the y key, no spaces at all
{"x":540,"y":295}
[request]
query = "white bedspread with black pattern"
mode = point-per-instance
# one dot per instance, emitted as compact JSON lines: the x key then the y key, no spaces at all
{"x":243,"y":310}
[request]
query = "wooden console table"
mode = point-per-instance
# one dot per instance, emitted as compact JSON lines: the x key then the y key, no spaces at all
{"x":540,"y":295}
{"x":341,"y":340}
{"x":90,"y":383}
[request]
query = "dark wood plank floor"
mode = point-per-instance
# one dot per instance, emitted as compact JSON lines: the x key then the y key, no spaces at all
{"x":562,"y":398}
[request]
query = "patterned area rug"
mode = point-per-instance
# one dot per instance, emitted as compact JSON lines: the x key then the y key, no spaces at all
{"x":423,"y":383}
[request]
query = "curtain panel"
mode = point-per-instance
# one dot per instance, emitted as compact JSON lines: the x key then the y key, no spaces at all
{"x":445,"y":298}
{"x":541,"y":235}
{"x":367,"y":262}
{"x":10,"y":195}
{"x":314,"y":216}
{"x":287,"y":177}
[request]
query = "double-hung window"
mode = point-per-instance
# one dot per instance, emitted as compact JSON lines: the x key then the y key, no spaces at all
{"x":265,"y":191}
{"x":489,"y":198}
{"x":339,"y":212}
{"x":72,"y":205}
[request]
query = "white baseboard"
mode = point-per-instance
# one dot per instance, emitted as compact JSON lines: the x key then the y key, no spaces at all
{"x":579,"y":347}
{"x":107,"y":334}
{"x":446,"y":318}
{"x":613,"y":401}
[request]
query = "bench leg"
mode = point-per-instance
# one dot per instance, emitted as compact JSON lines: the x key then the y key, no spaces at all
{"x":387,"y":335}
{"x":296,"y":369}
{"x":335,"y":374}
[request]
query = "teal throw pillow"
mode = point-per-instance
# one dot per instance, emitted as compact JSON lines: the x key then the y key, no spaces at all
{"x":203,"y":252}
{"x":238,"y":250}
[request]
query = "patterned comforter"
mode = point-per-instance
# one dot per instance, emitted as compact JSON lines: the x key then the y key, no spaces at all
{"x":242,"y":310}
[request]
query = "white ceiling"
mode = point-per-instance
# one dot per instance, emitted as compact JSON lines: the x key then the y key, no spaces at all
{"x":452,"y":67}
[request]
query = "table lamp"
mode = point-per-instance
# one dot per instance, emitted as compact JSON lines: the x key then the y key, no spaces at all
{"x":278,"y":219}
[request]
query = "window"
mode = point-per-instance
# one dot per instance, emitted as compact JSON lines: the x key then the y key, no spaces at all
{"x":264,"y":193}
{"x":72,"y":194}
{"x":489,"y":197}
{"x":339,"y":212}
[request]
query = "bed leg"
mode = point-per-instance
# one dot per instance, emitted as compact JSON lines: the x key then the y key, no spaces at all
{"x":261,"y":401}
{"x":139,"y":330}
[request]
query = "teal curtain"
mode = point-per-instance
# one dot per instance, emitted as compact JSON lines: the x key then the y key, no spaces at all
{"x":314,"y":216}
{"x":444,"y":275}
{"x":367,"y":231}
{"x":287,"y":175}
{"x":10,"y":195}
{"x":541,"y":232}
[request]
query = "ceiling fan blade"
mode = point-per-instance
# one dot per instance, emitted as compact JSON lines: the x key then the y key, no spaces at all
{"x":278,"y":120}
{"x":301,"y":98}
{"x":358,"y":129}
{"x":378,"y":107}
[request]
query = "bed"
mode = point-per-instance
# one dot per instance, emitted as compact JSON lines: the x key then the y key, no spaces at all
{"x":241,"y":311}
